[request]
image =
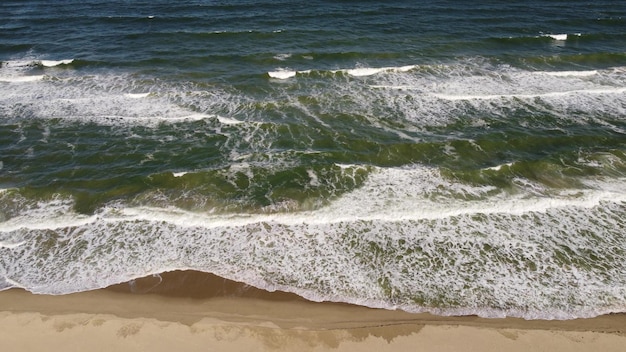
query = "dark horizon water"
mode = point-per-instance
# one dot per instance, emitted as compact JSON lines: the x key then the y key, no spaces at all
{"x":443,"y":156}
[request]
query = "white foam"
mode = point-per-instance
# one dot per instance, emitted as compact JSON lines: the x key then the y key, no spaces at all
{"x":314,"y":180}
{"x":112,"y":99}
{"x":6,"y":283}
{"x":501,"y":263}
{"x":499,"y":167}
{"x":365,"y":71}
{"x":154,"y":119}
{"x":356,"y":72}
{"x":346,"y":166}
{"x":399,"y":87}
{"x":360,"y":72}
{"x":197,"y":117}
{"x":227,"y":120}
{"x":180,"y":174}
{"x":21,"y":79}
{"x":608,"y":90}
{"x":49,"y":222}
{"x":282,"y":57}
{"x":390,"y":195}
{"x":8,"y":245}
{"x":282,"y":74}
{"x":559,"y":37}
{"x":412,"y":190}
{"x":424,"y":92}
{"x":570,"y":73}
{"x":136,"y":95}
{"x":326,"y":253}
{"x":49,"y":214}
{"x":52,"y":63}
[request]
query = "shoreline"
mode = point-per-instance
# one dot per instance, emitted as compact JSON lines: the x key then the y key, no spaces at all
{"x":236,"y":317}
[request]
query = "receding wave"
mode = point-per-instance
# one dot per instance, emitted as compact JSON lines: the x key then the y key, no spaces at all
{"x":196,"y":284}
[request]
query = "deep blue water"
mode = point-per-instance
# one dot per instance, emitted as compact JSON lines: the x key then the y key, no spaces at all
{"x":446,"y":156}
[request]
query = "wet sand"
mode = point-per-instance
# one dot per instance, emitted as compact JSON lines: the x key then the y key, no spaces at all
{"x":193,"y":311}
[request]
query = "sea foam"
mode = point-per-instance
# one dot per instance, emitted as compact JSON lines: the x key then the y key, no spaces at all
{"x":560,"y":37}
{"x":388,"y":262}
{"x":52,"y":63}
{"x":282,"y":74}
{"x":570,"y":73}
{"x":21,"y":79}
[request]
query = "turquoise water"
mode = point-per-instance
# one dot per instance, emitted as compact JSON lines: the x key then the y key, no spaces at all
{"x":441,"y":156}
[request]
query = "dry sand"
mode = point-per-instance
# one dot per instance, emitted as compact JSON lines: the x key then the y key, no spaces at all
{"x":232,"y":320}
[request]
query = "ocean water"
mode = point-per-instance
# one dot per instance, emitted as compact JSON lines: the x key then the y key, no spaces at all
{"x":452,"y":157}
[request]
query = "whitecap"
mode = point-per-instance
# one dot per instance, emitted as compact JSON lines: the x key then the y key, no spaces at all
{"x":282,"y":57}
{"x":52,"y":63}
{"x":368,"y":71}
{"x":282,"y":74}
{"x":361,"y":72}
{"x":559,"y":37}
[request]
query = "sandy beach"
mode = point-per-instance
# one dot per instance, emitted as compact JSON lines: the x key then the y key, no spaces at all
{"x":235,"y":317}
